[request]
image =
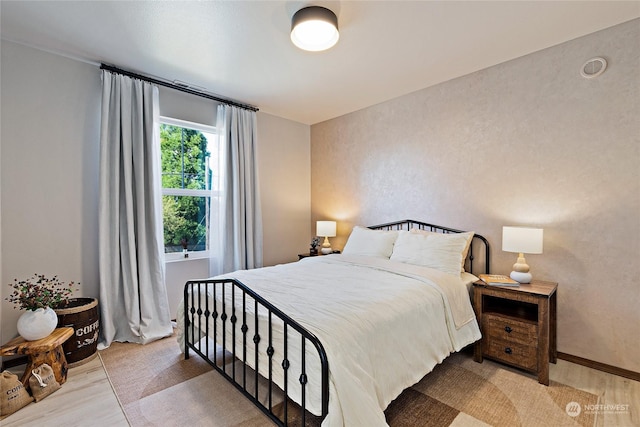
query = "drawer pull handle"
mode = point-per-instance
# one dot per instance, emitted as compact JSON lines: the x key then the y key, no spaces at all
{"x":508,"y":329}
{"x":508,"y":350}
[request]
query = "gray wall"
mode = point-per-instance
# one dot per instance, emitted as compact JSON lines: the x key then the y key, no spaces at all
{"x":528,"y":142}
{"x":49,"y":175}
{"x":49,"y":181}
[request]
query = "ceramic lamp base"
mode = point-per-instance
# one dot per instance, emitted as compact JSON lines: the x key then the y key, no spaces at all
{"x":326,"y":246}
{"x":521,"y":277}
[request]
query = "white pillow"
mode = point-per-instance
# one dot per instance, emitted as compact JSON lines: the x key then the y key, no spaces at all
{"x":367,"y":242}
{"x":458,"y":237}
{"x":420,"y":231}
{"x":444,"y":252}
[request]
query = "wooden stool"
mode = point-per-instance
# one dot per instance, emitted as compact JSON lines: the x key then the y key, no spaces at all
{"x":46,"y":350}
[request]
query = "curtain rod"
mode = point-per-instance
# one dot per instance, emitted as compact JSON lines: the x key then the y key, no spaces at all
{"x":175,"y":86}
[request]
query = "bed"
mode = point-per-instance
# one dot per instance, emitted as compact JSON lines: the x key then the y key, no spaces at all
{"x":333,"y":339}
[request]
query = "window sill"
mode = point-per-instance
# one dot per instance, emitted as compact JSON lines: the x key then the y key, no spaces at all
{"x":179,"y":256}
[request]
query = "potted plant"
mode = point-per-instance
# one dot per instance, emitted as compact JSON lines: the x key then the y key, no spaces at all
{"x":38,"y":296}
{"x":184,"y":242}
{"x":315,"y":242}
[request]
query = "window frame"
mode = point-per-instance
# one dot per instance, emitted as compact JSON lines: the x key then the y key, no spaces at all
{"x":211,"y":193}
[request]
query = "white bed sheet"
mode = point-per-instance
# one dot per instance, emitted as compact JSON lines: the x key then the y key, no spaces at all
{"x":383,"y":324}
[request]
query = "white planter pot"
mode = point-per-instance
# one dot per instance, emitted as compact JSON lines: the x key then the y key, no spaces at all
{"x":35,"y":325}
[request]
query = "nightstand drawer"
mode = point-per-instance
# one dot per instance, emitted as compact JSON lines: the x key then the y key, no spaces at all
{"x":506,"y":328}
{"x":523,"y":356}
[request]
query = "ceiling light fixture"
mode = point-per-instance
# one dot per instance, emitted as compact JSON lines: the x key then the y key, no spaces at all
{"x":314,"y":28}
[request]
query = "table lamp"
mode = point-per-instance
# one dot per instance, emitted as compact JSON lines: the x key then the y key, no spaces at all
{"x":326,"y":229}
{"x":521,"y":240}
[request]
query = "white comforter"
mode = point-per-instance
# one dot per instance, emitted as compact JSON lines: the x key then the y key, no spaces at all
{"x":383,"y":324}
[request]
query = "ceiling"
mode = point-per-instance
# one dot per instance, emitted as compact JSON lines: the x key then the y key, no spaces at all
{"x":241,"y":50}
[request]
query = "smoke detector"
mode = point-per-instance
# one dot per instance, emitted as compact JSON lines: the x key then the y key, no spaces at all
{"x":593,"y":67}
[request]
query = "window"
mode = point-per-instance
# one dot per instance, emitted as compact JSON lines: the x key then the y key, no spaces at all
{"x":189,"y":172}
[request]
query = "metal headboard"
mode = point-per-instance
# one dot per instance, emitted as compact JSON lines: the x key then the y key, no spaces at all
{"x":479,"y":245}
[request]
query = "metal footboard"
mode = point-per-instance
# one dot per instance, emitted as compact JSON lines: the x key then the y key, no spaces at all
{"x":238,"y":320}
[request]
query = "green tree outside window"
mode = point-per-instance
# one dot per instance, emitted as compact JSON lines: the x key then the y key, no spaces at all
{"x":184,"y":166}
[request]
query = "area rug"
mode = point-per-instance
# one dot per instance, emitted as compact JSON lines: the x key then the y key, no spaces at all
{"x":157,"y":387}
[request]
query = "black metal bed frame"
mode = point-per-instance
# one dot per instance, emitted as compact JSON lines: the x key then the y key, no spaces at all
{"x":409,"y":224}
{"x":198,"y":312}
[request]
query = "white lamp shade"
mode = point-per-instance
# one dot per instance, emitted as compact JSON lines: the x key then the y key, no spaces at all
{"x":326,"y":228}
{"x":314,"y":28}
{"x":522,"y":240}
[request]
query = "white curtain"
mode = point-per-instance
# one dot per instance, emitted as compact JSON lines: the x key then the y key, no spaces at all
{"x":240,"y":237}
{"x":133,"y":297}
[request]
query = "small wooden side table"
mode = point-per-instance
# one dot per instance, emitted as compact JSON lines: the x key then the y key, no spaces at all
{"x":308,"y":254}
{"x":518,"y":325}
{"x":46,"y":350}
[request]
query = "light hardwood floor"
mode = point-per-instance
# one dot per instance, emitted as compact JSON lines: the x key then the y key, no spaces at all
{"x":87,"y":399}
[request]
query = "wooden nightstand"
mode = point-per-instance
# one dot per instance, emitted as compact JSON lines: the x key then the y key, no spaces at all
{"x":518,"y":325}
{"x":300,"y":256}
